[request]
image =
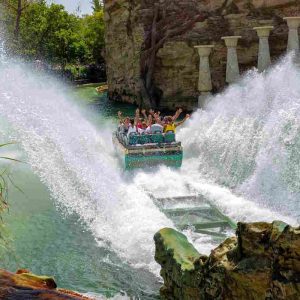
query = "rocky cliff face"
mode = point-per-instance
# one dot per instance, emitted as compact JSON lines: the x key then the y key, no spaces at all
{"x":150,"y":51}
{"x":262,"y":262}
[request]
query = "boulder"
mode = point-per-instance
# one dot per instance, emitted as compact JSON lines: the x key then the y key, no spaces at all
{"x":261,"y":262}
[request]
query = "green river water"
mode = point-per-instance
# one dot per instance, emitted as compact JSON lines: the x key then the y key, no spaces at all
{"x":45,"y":241}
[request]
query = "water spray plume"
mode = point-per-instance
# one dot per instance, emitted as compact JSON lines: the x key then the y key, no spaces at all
{"x":248,"y":139}
{"x":75,"y":161}
{"x":241,"y":153}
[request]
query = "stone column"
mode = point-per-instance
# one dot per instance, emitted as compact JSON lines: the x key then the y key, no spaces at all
{"x":264,"y":59}
{"x":293,"y":41}
{"x":232,"y":67}
{"x":204,"y":83}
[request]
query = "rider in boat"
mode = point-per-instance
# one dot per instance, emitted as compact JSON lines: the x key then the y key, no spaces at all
{"x":132,"y":128}
{"x":151,"y":123}
{"x":170,"y":125}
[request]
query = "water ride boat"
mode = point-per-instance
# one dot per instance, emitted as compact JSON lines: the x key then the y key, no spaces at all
{"x":148,"y":150}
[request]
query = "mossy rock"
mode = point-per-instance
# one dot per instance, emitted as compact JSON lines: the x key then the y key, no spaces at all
{"x":176,"y":245}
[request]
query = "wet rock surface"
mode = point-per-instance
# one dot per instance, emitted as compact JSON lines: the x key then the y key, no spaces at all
{"x":172,"y":28}
{"x":25,"y":285}
{"x":261,"y":262}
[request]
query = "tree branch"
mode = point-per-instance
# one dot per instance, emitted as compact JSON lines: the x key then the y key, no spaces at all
{"x":163,"y":27}
{"x":25,"y":6}
{"x":9,"y":5}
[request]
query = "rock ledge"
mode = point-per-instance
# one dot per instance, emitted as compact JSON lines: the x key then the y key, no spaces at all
{"x":261,"y":262}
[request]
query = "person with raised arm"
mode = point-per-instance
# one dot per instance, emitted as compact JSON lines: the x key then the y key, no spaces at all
{"x":145,"y":123}
{"x":138,"y":119}
{"x":132,"y":127}
{"x":151,"y":112}
{"x":177,"y":114}
{"x":187,"y":116}
{"x":170,"y":125}
{"x":123,"y":122}
{"x":157,"y":119}
{"x":143,"y":111}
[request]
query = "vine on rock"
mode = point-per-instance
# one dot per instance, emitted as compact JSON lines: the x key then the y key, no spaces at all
{"x":169,"y":20}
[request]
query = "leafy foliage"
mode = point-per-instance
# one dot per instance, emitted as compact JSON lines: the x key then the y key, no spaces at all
{"x":50,"y":33}
{"x":6,"y":182}
{"x":93,"y":34}
{"x":17,"y":7}
{"x":4,"y":179}
{"x":97,"y":5}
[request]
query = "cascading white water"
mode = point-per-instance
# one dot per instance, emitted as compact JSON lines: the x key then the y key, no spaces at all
{"x":247,"y":140}
{"x":241,"y":153}
{"x":74,"y":160}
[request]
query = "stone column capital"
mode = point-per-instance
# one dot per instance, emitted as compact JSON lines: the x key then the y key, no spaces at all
{"x":293,"y":40}
{"x":292,"y":22}
{"x":231,"y":41}
{"x":204,"y":83}
{"x":232,"y":66}
{"x":263,"y":31}
{"x":204,"y":50}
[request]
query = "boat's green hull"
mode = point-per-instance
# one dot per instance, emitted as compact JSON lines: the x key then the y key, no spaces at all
{"x":142,"y":161}
{"x":149,"y":156}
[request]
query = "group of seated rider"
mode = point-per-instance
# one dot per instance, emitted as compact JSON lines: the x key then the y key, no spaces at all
{"x":151,"y":122}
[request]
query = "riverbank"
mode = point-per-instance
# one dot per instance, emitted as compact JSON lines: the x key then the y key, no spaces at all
{"x":82,"y":74}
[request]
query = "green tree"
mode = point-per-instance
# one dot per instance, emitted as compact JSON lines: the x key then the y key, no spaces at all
{"x":93,"y":34}
{"x":97,"y":5}
{"x":17,"y":7}
{"x":51,"y":33}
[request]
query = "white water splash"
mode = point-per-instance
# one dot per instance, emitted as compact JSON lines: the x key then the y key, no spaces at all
{"x":75,"y":161}
{"x":241,"y":153}
{"x":247,"y":141}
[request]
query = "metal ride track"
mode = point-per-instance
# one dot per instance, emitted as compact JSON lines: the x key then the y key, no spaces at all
{"x":196,"y":213}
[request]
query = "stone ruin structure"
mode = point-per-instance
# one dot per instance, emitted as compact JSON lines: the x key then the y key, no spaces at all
{"x":150,"y":45}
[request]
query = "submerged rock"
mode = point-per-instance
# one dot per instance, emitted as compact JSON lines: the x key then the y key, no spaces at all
{"x":261,"y":262}
{"x":25,"y":285}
